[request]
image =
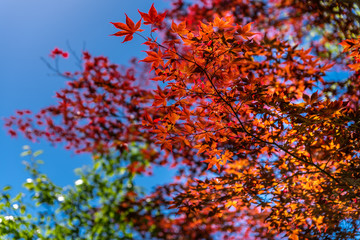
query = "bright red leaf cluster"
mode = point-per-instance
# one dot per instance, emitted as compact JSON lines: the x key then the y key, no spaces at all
{"x":58,"y":52}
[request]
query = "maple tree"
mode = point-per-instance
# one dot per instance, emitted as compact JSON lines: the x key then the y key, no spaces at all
{"x":265,"y":144}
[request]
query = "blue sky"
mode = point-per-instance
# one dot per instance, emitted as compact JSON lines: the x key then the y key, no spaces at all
{"x":30,"y":29}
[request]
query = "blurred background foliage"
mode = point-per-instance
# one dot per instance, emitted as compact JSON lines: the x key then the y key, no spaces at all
{"x":98,"y":205}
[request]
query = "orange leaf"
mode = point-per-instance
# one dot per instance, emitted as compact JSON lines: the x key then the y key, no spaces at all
{"x":154,"y":57}
{"x":245,"y":31}
{"x":348,"y":44}
{"x":221,"y":24}
{"x":211,"y":162}
{"x":179,"y":29}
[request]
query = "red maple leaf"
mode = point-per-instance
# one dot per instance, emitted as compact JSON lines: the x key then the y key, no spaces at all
{"x":127,"y":29}
{"x":152,"y":17}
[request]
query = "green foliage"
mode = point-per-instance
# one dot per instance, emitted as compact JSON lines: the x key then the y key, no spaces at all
{"x":87,"y":210}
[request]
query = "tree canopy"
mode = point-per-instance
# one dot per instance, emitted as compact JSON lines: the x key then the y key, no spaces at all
{"x":237,"y":97}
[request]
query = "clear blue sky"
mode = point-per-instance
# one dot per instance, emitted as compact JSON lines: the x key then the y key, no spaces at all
{"x":30,"y":29}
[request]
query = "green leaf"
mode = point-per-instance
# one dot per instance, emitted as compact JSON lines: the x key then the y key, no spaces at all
{"x":39,"y":161}
{"x":37,"y":153}
{"x":17,"y":197}
{"x":97,"y":165}
{"x":22,"y":209}
{"x":25,"y":153}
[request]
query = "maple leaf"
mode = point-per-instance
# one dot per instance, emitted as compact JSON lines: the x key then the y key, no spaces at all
{"x":245,"y":31}
{"x":127,"y":29}
{"x":348,"y":44}
{"x":179,"y":29}
{"x":355,"y":66}
{"x":154,"y":57}
{"x":151,"y":43}
{"x":152,"y":17}
{"x":211,"y":162}
{"x":221,"y":24}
